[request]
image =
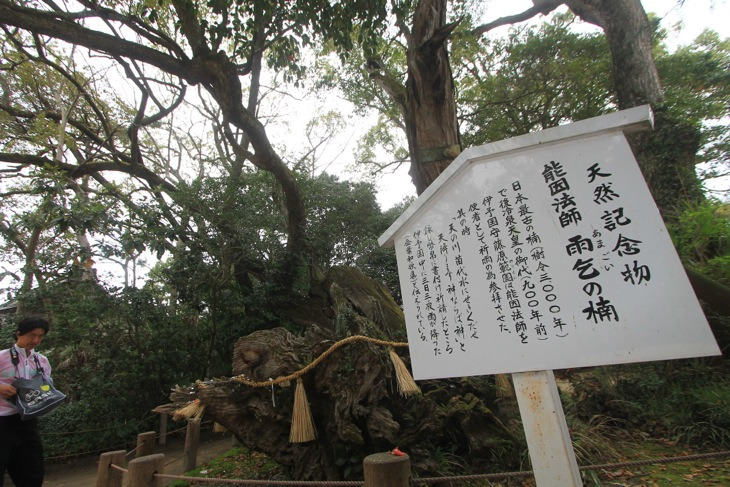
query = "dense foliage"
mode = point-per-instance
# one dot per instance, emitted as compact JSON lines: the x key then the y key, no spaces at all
{"x":685,"y":401}
{"x":116,"y":357}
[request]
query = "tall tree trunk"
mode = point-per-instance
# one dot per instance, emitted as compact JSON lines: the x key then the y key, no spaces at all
{"x":430,"y":108}
{"x":629,"y":37}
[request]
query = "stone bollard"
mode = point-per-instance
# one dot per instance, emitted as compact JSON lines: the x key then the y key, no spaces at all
{"x":145,"y":444}
{"x":142,"y":470}
{"x":106,"y":476}
{"x":386,"y":470}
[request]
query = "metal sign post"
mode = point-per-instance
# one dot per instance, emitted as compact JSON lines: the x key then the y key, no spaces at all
{"x":551,"y":452}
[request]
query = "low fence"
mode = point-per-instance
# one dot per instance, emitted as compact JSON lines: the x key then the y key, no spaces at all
{"x":112,"y":464}
{"x":380,"y":469}
{"x":147,"y":469}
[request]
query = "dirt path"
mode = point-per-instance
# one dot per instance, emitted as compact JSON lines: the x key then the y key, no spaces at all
{"x":82,"y":472}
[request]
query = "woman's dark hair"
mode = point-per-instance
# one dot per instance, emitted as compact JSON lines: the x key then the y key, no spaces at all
{"x":26,"y":325}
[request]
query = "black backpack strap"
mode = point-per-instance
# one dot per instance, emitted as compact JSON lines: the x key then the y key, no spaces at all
{"x":15,"y":360}
{"x":14,"y":356}
{"x":38,"y":365}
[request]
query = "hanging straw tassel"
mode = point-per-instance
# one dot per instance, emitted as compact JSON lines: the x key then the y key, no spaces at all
{"x":302,"y":425}
{"x":194,"y":409}
{"x":503,"y":386}
{"x":406,"y":385}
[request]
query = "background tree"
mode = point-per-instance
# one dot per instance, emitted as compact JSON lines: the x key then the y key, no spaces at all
{"x":668,"y":155}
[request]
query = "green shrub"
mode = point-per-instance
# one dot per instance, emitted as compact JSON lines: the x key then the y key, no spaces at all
{"x":701,"y":235}
{"x":685,"y":399}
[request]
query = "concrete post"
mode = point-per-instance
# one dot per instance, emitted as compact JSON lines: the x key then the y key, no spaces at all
{"x":163,"y":429}
{"x":142,"y":470}
{"x":106,"y":476}
{"x":192,"y":439}
{"x":145,"y":444}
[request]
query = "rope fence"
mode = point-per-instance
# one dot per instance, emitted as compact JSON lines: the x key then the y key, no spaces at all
{"x":458,"y":478}
{"x":388,"y":471}
{"x":142,"y":471}
{"x":59,"y":458}
{"x":203,"y":480}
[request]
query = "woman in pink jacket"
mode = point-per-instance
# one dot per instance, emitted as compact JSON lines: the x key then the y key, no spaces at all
{"x":21,"y":450}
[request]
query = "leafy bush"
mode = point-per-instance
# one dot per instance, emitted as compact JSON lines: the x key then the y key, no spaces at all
{"x":701,"y":236}
{"x":236,"y":463}
{"x":709,"y":411}
{"x":116,"y":356}
{"x":686,"y":399}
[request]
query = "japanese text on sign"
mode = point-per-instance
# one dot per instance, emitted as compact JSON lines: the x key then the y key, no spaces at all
{"x":551,"y":258}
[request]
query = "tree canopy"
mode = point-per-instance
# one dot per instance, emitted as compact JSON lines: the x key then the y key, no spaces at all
{"x":59,"y":113}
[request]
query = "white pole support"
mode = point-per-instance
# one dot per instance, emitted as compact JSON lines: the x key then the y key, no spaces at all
{"x":551,"y":451}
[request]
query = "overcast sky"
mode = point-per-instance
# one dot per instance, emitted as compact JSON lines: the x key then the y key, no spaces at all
{"x":694,"y":15}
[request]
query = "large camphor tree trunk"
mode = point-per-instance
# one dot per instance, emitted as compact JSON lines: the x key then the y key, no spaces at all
{"x":353,"y":393}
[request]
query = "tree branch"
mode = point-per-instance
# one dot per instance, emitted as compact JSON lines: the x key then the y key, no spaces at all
{"x":62,"y":26}
{"x":74,"y":171}
{"x":539,"y":7}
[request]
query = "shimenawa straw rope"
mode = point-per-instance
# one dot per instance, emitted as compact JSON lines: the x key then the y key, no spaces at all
{"x":295,"y":375}
{"x":302,"y":428}
{"x":406,"y":385}
{"x":194,"y":409}
{"x":302,"y":424}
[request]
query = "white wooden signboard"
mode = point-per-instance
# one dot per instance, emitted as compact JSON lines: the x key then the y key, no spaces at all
{"x":543,"y":252}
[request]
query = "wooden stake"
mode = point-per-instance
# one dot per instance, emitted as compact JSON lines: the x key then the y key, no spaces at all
{"x":192,"y":441}
{"x":302,"y":425}
{"x":406,"y":385}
